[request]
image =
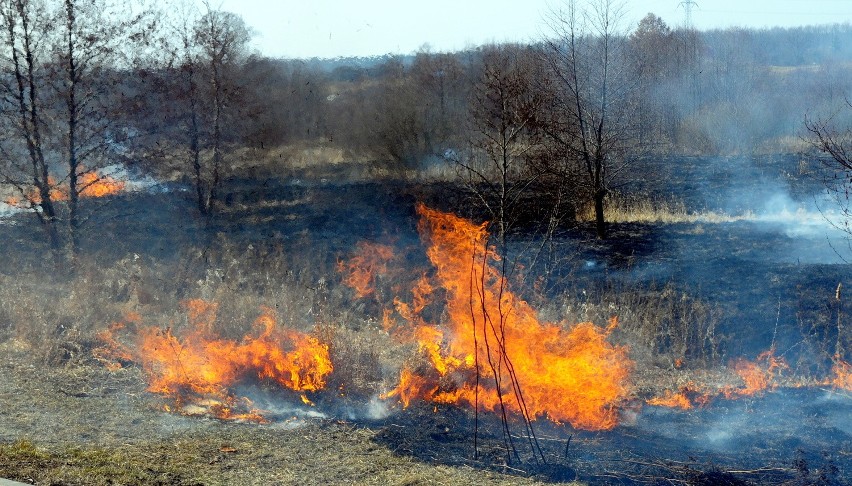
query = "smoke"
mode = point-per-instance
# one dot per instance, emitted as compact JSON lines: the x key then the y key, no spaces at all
{"x":7,"y":211}
{"x":134,"y":181}
{"x":732,"y":426}
{"x":792,"y":211}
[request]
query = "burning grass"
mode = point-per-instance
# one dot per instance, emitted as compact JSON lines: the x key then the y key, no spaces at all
{"x":199,"y":370}
{"x":491,"y":351}
{"x":90,"y":184}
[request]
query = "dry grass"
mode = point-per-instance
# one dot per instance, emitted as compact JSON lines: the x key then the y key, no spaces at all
{"x":315,"y":455}
{"x":67,"y":420}
{"x":641,"y":209}
{"x":663,"y":325}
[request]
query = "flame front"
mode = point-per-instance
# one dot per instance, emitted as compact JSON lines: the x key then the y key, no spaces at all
{"x":492,"y":351}
{"x":199,"y":370}
{"x":94,"y":185}
{"x":841,"y":376}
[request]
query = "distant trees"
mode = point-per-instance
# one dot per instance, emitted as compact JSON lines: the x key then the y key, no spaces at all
{"x":398,"y":128}
{"x":82,"y":77}
{"x":442,"y":84}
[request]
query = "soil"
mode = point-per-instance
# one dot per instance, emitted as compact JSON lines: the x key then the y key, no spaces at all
{"x":84,"y":425}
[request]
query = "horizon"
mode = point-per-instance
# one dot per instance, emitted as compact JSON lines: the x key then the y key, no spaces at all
{"x":329,"y":29}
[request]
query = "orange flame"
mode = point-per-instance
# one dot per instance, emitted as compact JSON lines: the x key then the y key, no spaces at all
{"x":672,"y":400}
{"x":528,"y":366}
{"x":841,"y":375}
{"x":199,"y":371}
{"x":94,"y":185}
{"x":361,"y":270}
{"x":686,"y":398}
{"x":758,"y":376}
{"x":91,"y":184}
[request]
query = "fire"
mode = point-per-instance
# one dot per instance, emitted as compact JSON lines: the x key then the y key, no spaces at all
{"x":32,"y":196}
{"x":199,"y":370}
{"x":687,"y":397}
{"x":90,"y":184}
{"x":492,"y":351}
{"x":841,"y":375}
{"x":94,"y":185}
{"x":758,"y":376}
{"x":361,"y":270}
{"x":672,"y":400}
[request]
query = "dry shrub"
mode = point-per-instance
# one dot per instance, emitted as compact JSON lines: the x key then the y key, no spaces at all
{"x":365,"y":360}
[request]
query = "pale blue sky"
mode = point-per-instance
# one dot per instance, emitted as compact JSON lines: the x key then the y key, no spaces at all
{"x":330,"y":28}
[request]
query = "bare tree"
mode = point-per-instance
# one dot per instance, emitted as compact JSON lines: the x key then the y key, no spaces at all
{"x":197,"y":80}
{"x":504,"y":112}
{"x":222,"y":38}
{"x":593,"y":123}
{"x":66,"y":59}
{"x":24,"y":118}
{"x":832,"y":148}
{"x":96,"y":38}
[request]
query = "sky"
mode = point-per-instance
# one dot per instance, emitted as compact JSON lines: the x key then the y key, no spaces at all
{"x":334,"y":28}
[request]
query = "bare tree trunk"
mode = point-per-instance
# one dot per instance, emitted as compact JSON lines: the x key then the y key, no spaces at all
{"x":71,"y":104}
{"x":16,"y":14}
{"x":600,"y":220}
{"x":194,"y":140}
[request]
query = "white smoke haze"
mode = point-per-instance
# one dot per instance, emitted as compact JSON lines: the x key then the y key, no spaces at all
{"x":6,"y":211}
{"x":134,"y":181}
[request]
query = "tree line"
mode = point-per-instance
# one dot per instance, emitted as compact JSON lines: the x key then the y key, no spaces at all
{"x":87,"y":84}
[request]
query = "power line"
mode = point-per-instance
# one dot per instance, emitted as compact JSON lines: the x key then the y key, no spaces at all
{"x":687,"y":7}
